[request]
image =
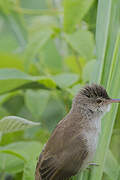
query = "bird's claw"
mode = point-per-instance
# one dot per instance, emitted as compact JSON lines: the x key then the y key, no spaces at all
{"x":92,"y":164}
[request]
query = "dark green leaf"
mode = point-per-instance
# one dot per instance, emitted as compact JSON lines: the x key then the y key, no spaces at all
{"x":36,"y":101}
{"x":74,"y":11}
{"x":12,"y":78}
{"x":23,"y":150}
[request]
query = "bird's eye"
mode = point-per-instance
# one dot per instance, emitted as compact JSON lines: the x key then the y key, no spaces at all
{"x":99,"y":101}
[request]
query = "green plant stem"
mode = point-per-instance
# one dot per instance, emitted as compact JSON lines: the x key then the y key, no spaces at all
{"x":116,"y":49}
{"x":80,"y":176}
{"x":101,"y":55}
{"x":108,"y":126}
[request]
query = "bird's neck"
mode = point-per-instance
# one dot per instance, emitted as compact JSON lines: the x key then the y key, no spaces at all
{"x":87,"y":113}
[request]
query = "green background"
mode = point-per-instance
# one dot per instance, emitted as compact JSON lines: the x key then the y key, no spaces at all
{"x":49,"y":49}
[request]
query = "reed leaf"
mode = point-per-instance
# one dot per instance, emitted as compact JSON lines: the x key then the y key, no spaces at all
{"x":108,"y":45}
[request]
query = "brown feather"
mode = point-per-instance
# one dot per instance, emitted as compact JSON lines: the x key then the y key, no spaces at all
{"x":61,"y":160}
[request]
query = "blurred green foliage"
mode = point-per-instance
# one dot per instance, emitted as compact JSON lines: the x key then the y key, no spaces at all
{"x":47,"y":52}
{"x":44,"y":48}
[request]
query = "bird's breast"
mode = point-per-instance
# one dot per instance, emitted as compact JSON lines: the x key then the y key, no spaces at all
{"x":92,"y":141}
{"x":91,"y":134}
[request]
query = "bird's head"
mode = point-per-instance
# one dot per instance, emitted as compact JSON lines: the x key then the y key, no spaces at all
{"x":95,"y":98}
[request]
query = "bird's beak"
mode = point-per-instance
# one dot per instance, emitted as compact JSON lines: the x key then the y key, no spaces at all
{"x":113,"y":101}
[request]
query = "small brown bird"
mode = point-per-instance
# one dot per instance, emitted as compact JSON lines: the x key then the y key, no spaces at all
{"x":72,"y":144}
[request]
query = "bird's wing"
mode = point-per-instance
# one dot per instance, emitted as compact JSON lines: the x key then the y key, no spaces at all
{"x":66,"y":165}
{"x":46,"y":169}
{"x":64,"y":152}
{"x":74,"y":155}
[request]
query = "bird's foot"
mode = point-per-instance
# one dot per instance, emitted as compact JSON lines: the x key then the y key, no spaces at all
{"x":92,"y":164}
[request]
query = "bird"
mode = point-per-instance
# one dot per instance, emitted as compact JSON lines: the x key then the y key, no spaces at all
{"x":72,"y":144}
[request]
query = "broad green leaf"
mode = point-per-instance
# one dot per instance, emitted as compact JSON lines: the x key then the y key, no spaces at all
{"x":14,"y":123}
{"x":39,"y":38}
{"x":11,"y":79}
{"x":111,"y":167}
{"x":46,"y":81}
{"x":7,"y":42}
{"x":15,"y":103}
{"x":54,"y":112}
{"x":82,"y":42}
{"x":10,"y":60}
{"x":10,"y":163}
{"x":65,"y":80}
{"x":88,"y":71}
{"x":5,"y":97}
{"x":52,"y":60}
{"x":36,"y":43}
{"x":9,"y":138}
{"x":39,"y":34}
{"x":23,"y":150}
{"x":13,"y":73}
{"x":75,"y":64}
{"x":29,"y":170}
{"x":74,"y":11}
{"x":36,"y":101}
